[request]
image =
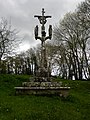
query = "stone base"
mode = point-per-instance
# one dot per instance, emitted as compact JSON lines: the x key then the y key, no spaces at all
{"x":42,"y":79}
{"x":42,"y":84}
{"x":61,"y":91}
{"x":43,"y":88}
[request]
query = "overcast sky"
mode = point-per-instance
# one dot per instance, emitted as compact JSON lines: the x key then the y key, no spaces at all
{"x":21,"y":13}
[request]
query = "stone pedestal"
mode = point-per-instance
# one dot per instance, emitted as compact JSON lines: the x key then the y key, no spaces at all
{"x":43,"y":88}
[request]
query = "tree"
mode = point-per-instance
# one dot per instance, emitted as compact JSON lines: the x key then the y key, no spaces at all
{"x":8,"y":38}
{"x":73,"y":32}
{"x":33,"y":60}
{"x":83,"y":12}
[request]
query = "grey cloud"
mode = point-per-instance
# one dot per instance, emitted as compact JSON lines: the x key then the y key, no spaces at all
{"x":22,"y":13}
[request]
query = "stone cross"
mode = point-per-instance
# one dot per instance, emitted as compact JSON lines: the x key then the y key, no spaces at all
{"x":43,"y":19}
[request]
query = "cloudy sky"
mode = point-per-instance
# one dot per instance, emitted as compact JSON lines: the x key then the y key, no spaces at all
{"x":21,"y":13}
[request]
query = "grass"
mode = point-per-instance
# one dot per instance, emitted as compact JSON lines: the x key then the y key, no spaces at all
{"x":23,"y":107}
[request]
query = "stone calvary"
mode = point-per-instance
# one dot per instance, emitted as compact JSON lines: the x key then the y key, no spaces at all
{"x":42,"y":83}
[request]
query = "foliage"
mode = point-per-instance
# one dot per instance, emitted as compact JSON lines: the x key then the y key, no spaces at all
{"x":23,"y":63}
{"x":75,"y":107}
{"x":72,"y":37}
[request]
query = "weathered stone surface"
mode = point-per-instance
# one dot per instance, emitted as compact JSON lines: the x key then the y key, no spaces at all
{"x":61,"y":91}
{"x":42,"y":84}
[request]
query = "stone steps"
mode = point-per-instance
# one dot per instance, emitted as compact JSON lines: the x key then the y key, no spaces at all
{"x":61,"y":91}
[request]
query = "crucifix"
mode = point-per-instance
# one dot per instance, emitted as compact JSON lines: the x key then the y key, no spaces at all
{"x":43,"y":19}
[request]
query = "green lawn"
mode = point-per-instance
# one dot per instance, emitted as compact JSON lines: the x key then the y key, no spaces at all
{"x":23,"y":107}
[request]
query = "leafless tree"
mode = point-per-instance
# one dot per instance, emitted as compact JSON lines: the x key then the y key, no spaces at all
{"x":74,"y":32}
{"x":8,"y":38}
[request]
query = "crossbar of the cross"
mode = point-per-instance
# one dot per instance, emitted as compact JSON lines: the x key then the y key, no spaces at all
{"x":38,"y":16}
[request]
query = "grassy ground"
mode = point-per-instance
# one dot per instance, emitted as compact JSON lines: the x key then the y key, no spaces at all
{"x":23,"y":107}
